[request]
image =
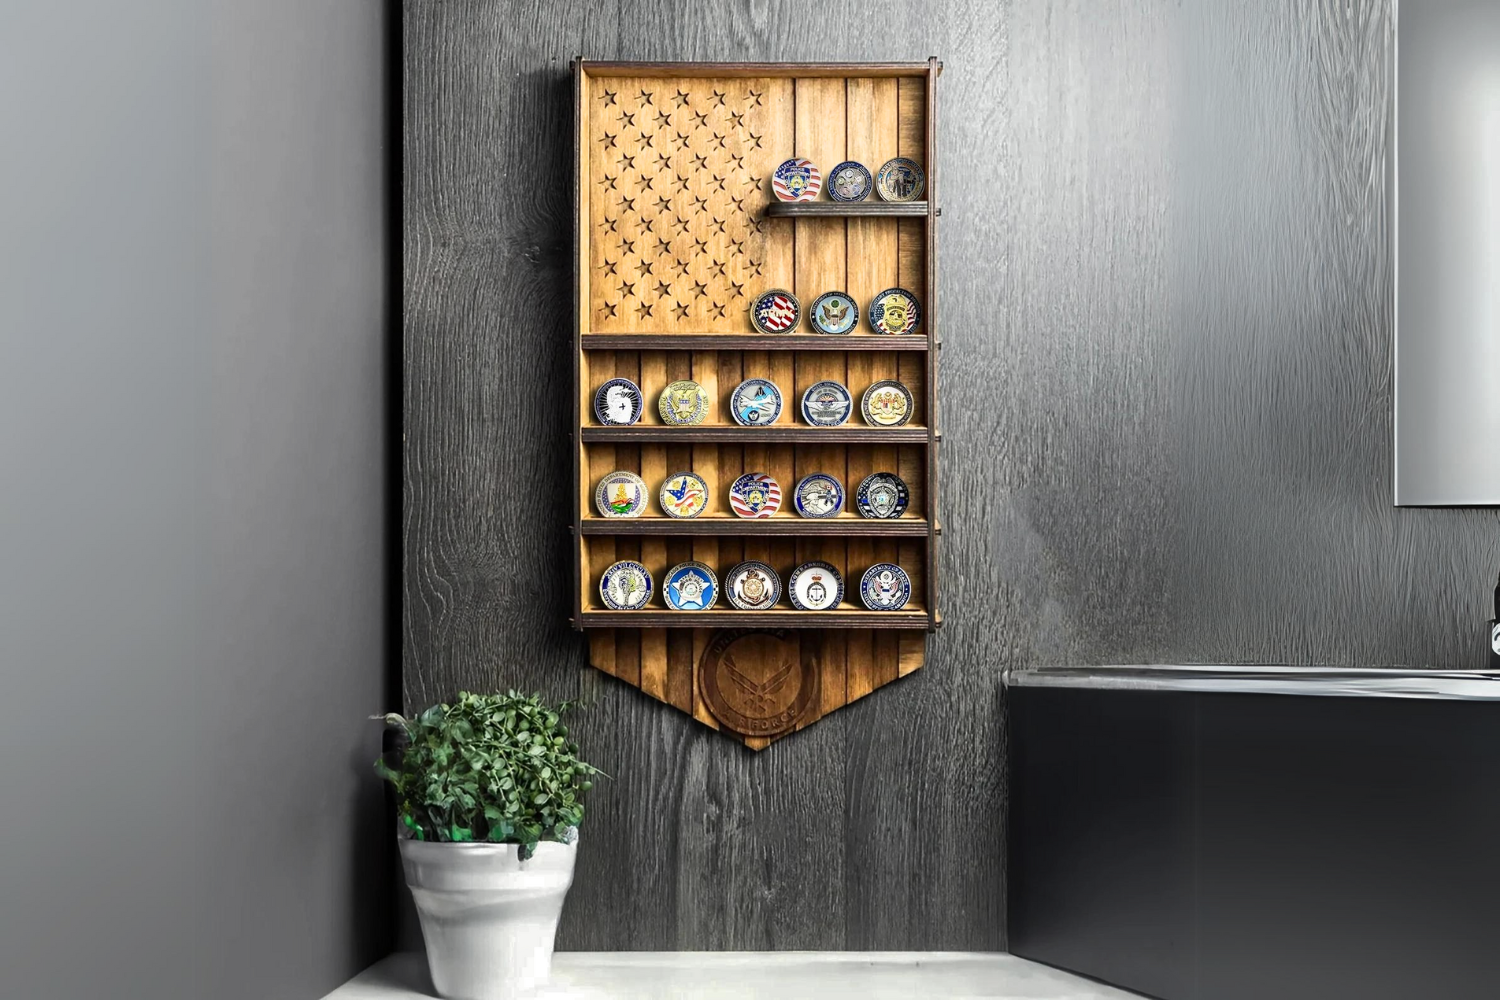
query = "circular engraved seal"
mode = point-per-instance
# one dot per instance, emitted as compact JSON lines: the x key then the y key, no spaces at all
{"x":819,"y":495}
{"x":882,"y":494}
{"x":887,"y":403}
{"x":900,"y":179}
{"x":776,"y":311}
{"x":683,"y":494}
{"x":683,"y":402}
{"x":618,"y":401}
{"x":690,"y":586}
{"x":625,"y":586}
{"x":755,"y":402}
{"x":815,"y":586}
{"x":621,"y":494}
{"x":753,"y":586}
{"x":827,"y":404}
{"x":797,"y":179}
{"x":833,"y":313}
{"x":895,"y":311}
{"x":885,"y":587}
{"x":849,"y":181}
{"x":754,"y":682}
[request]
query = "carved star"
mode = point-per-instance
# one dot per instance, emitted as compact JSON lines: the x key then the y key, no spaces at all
{"x":682,"y":179}
{"x":719,"y":98}
{"x":664,"y":160}
{"x":609,"y":97}
{"x":681,"y":310}
{"x":682,"y":266}
{"x":609,"y":140}
{"x":611,"y":266}
{"x":739,"y":246}
{"x":627,"y":246}
{"x":718,"y":268}
{"x":628,"y":161}
{"x":700,"y":289}
{"x":682,"y":140}
{"x":755,"y":96}
{"x":646,"y":97}
{"x":739,"y":161}
{"x":663,"y":202}
{"x":720,"y":140}
{"x":723,"y":183}
{"x":758,"y":265}
{"x":739,"y":203}
{"x":663,"y":289}
{"x":613,"y":224}
{"x":739,"y":289}
{"x":627,"y":204}
{"x":700,"y":119}
{"x":648,"y":267}
{"x":756,"y":181}
{"x":737,"y":117}
{"x":627,"y":289}
{"x":609,"y":181}
{"x":610,"y":308}
{"x":755,"y":139}
{"x":718,"y":308}
{"x":644,"y":309}
{"x":681,"y":98}
{"x":702,"y":246}
{"x":627,"y":118}
{"x":648,"y":141}
{"x":682,"y":223}
{"x":664,"y":117}
{"x":701,"y":202}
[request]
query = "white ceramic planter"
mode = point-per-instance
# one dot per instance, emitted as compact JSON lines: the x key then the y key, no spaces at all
{"x":489,"y":919}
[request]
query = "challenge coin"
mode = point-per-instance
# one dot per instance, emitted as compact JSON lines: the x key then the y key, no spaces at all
{"x":684,"y":402}
{"x":621,"y":494}
{"x":618,"y":401}
{"x":833,"y":312}
{"x":819,"y":495}
{"x":900,"y":180}
{"x":755,"y":403}
{"x":849,"y":181}
{"x":827,"y":404}
{"x":755,"y":494}
{"x":895,"y":310}
{"x":885,"y":587}
{"x":815,"y":586}
{"x":797,"y":180}
{"x":690,"y":586}
{"x":625,"y":586}
{"x":887,"y":403}
{"x":684,"y":494}
{"x":776,"y":311}
{"x":882,"y":494}
{"x":753,"y":586}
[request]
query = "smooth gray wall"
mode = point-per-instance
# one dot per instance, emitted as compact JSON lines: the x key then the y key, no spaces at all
{"x":1166,"y":305}
{"x":193,"y":588}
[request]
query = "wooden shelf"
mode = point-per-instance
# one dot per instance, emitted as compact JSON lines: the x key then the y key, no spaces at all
{"x":773,"y":434}
{"x":752,"y":342}
{"x":782,"y":524}
{"x":845,"y":209}
{"x":782,"y":616}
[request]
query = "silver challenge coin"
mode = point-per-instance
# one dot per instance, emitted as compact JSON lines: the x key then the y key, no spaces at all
{"x":833,"y":313}
{"x":625,"y":586}
{"x":885,"y":587}
{"x":690,"y":586}
{"x":755,"y":403}
{"x":819,"y":495}
{"x":900,"y":179}
{"x":815,"y":586}
{"x":827,"y":404}
{"x":621,"y":494}
{"x":882,"y":495}
{"x":753,"y":586}
{"x":849,"y":181}
{"x":618,"y":401}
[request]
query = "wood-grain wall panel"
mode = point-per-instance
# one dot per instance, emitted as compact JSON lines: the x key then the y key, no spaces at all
{"x":1166,"y":365}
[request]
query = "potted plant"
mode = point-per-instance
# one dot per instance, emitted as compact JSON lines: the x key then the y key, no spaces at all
{"x":489,"y":791}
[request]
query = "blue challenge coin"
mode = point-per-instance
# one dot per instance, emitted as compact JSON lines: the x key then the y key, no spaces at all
{"x":755,"y":403}
{"x":625,"y":586}
{"x":849,"y":181}
{"x":885,"y":587}
{"x":819,"y":495}
{"x":691,"y":586}
{"x":827,"y":404}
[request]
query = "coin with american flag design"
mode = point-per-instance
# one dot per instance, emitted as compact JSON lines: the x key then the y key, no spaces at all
{"x":797,"y":179}
{"x":755,"y":494}
{"x":776,"y":311}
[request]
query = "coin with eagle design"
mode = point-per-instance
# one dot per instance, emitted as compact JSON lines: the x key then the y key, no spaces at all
{"x":833,"y":313}
{"x":826,"y":404}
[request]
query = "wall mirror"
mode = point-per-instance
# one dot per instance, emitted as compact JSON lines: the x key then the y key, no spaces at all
{"x":1447,"y":245}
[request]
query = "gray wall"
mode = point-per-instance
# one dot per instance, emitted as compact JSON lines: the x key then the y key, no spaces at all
{"x":194,"y":583}
{"x":1167,"y":377}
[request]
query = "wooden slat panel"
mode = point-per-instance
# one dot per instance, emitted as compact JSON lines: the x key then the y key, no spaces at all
{"x":654,"y":662}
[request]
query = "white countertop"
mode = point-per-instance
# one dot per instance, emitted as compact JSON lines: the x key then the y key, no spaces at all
{"x":742,"y":975}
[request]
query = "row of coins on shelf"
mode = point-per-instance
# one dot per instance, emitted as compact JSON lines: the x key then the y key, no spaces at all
{"x":893,"y":311}
{"x":751,"y":586}
{"x":755,"y":402}
{"x":898,"y":179}
{"x":752,"y":495}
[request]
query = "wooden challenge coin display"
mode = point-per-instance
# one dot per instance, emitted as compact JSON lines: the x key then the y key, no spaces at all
{"x":755,"y":400}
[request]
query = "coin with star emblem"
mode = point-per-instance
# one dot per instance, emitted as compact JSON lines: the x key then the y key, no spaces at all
{"x":684,"y":494}
{"x":894,"y":311}
{"x":690,"y":586}
{"x":775,"y":311}
{"x":885,"y":587}
{"x":882,"y":495}
{"x":755,"y":494}
{"x":683,"y":402}
{"x":797,"y":179}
